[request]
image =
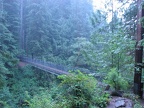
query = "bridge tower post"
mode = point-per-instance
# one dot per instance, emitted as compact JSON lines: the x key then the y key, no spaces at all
{"x":138,"y":85}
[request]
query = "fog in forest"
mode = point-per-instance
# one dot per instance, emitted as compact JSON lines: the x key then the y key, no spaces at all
{"x":64,"y":53}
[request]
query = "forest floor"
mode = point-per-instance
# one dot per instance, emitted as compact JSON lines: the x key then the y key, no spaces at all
{"x":121,"y":102}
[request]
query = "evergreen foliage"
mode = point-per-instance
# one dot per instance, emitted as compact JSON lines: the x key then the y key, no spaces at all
{"x":50,"y":35}
{"x":70,"y":33}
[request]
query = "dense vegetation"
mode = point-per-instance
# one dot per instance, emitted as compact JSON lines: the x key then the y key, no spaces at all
{"x":70,"y":33}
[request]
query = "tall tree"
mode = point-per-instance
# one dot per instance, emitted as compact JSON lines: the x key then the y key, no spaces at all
{"x":112,"y":44}
{"x":8,"y":48}
{"x":50,"y":35}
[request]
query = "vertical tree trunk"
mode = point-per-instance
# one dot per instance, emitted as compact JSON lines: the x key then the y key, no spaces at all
{"x":112,"y":54}
{"x":1,"y":13}
{"x":21,"y":27}
{"x":1,"y":8}
{"x":112,"y":17}
{"x":138,"y":85}
{"x":118,"y":61}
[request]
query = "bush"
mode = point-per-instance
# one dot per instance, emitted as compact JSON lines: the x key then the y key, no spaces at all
{"x":102,"y":100}
{"x":115,"y":80}
{"x":78,"y":90}
{"x":75,"y":91}
{"x":138,"y":106}
{"x":42,"y":100}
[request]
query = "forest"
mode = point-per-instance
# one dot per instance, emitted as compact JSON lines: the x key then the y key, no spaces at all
{"x":96,"y":47}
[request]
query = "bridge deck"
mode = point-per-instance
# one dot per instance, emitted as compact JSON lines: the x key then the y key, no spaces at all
{"x":46,"y":66}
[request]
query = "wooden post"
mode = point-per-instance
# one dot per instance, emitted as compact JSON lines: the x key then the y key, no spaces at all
{"x":138,"y":85}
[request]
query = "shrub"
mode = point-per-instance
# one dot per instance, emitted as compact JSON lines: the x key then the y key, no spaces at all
{"x":137,"y":105}
{"x":78,"y":90}
{"x":115,"y":80}
{"x":101,"y":100}
{"x":42,"y":100}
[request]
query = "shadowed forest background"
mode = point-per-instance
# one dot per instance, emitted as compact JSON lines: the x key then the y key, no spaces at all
{"x":72,"y":34}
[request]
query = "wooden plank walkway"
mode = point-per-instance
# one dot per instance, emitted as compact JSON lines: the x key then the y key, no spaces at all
{"x":46,"y":66}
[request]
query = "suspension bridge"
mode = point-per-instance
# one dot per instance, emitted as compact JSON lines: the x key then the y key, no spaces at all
{"x":45,"y":66}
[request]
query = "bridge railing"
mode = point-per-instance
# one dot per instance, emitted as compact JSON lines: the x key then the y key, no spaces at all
{"x":57,"y":69}
{"x":37,"y":61}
